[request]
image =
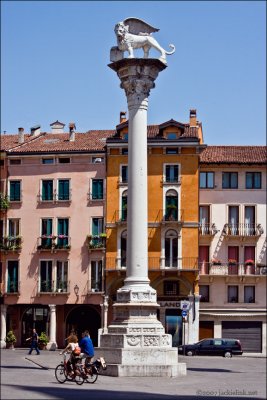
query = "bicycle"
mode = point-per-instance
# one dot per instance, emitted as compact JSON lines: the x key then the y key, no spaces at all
{"x":62,"y":373}
{"x":92,"y":369}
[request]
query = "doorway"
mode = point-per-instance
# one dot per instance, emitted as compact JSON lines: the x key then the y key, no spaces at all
{"x":83,"y":318}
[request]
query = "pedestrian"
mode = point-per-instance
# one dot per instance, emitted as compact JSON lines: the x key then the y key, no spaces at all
{"x":34,"y":342}
{"x":87,"y":347}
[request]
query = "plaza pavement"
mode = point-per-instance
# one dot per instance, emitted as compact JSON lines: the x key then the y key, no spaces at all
{"x":26,"y":376}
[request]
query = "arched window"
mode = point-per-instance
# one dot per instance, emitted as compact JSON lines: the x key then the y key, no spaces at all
{"x":171,"y":205}
{"x":124,"y":205}
{"x":123,"y":248}
{"x":171,"y":249}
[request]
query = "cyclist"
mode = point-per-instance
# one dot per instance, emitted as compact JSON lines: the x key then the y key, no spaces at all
{"x":72,"y":347}
{"x":87,"y":347}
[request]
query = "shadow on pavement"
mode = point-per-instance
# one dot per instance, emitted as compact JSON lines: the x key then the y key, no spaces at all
{"x":213,"y":370}
{"x":72,"y":391}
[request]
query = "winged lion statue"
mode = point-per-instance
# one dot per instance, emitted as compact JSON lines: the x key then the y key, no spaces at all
{"x":133,"y":33}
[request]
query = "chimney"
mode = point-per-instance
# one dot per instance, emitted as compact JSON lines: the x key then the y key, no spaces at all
{"x":122,"y":117}
{"x":72,"y":128}
{"x":193,"y":117}
{"x":36,"y":130}
{"x":57,"y":127}
{"x":21,"y":135}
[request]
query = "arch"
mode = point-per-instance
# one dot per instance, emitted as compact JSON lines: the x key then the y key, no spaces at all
{"x":34,"y":316}
{"x":171,"y":205}
{"x":84,"y":317}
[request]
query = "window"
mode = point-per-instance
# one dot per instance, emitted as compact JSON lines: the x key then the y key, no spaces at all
{"x":2,"y":163}
{"x":64,"y":160}
{"x":14,"y":191}
{"x":229,"y":180}
{"x":124,"y":200}
{"x":253,"y":180}
{"x":62,"y":276}
{"x":47,"y":190}
{"x":97,"y":189}
{"x":46,"y":233}
{"x":123,"y":248}
{"x":46,"y":276}
{"x":232,"y":294}
{"x":97,"y":226}
{"x":13,"y":227}
{"x":125,"y":136}
{"x":249,"y":294}
{"x":96,"y":276}
{"x":63,"y":189}
{"x":63,"y":233}
{"x":171,"y":150}
{"x":249,"y":228}
{"x":171,"y":173}
{"x":15,"y":161}
{"x":12,"y":276}
{"x":204,"y":291}
{"x":171,"y":249}
{"x":124,"y":152}
{"x":170,"y":288}
{"x":204,"y":220}
{"x":171,"y":205}
{"x":233,"y":220}
{"x":171,"y":135}
{"x":206,"y":180}
{"x":47,"y":160}
{"x":124,"y":173}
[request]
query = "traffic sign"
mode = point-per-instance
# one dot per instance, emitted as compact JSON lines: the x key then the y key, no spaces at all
{"x":184,"y":313}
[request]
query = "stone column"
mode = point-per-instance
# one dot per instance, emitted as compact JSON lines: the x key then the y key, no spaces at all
{"x":52,"y":345}
{"x":3,"y":326}
{"x":136,"y":343}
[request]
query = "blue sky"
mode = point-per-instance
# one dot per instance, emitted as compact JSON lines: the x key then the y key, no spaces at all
{"x":54,"y":57}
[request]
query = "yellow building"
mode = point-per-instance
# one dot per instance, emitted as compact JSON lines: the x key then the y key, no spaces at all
{"x":173,"y":206}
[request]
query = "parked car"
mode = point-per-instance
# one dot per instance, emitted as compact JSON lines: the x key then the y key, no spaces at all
{"x":213,"y":347}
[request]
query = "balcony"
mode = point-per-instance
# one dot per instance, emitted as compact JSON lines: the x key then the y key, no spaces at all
{"x":226,"y":268}
{"x":157,"y":263}
{"x":242,"y":230}
{"x":96,"y":242}
{"x":53,"y":287}
{"x":11,"y":243}
{"x":52,"y":243}
{"x":208,"y":229}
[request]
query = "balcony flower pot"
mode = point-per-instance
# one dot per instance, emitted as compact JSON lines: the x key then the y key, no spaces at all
{"x":232,"y":267}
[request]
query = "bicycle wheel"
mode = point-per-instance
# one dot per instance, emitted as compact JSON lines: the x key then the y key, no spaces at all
{"x":92,"y":376}
{"x":60,"y":373}
{"x":79,"y":379}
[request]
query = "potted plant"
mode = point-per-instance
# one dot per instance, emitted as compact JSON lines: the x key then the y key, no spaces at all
{"x":232,"y":263}
{"x":216,"y":261}
{"x":10,"y":339}
{"x":42,"y":341}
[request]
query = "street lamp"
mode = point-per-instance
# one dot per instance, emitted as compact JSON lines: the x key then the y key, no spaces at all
{"x":76,"y":289}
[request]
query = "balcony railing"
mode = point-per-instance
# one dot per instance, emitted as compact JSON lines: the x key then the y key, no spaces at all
{"x":11,"y":243}
{"x":208,"y":229}
{"x":225,"y":268}
{"x":53,"y":287}
{"x":52,"y":242}
{"x":157,"y":263}
{"x":244,"y":230}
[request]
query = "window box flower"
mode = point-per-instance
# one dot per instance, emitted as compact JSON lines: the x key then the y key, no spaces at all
{"x":231,"y":262}
{"x":249,"y":262}
{"x":216,"y":261}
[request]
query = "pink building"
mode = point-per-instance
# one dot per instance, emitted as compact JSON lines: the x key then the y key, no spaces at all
{"x":52,"y":232}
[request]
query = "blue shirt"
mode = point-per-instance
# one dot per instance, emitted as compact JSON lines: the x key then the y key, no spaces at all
{"x":87,"y":347}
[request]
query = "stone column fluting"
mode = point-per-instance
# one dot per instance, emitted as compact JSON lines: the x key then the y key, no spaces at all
{"x":52,"y":344}
{"x":3,"y":326}
{"x":136,"y":343}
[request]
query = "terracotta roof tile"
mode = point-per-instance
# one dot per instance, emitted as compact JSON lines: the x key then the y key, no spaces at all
{"x":234,"y":155}
{"x":56,"y":142}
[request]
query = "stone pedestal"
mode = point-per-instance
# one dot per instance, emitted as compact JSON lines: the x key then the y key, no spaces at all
{"x":135,"y":343}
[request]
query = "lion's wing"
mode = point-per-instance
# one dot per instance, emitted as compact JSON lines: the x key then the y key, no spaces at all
{"x":137,"y":25}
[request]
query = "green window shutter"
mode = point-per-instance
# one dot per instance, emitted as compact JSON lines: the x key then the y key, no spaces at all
{"x":63,"y":189}
{"x":95,"y":227}
{"x":15,"y":191}
{"x":97,"y":187}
